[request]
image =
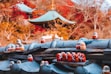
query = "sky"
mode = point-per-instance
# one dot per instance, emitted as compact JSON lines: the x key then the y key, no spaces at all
{"x":104,"y":7}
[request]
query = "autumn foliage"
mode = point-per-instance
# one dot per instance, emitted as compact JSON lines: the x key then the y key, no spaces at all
{"x":28,"y":3}
{"x":16,"y":12}
{"x":14,"y":23}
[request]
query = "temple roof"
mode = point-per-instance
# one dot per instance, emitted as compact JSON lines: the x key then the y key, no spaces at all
{"x":29,"y":66}
{"x":4,"y":65}
{"x":24,"y":8}
{"x":49,"y":16}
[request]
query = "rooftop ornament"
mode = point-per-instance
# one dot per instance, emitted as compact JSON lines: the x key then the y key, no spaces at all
{"x":30,"y":58}
{"x":11,"y":63}
{"x":44,"y":63}
{"x":19,"y":62}
{"x":81,"y":45}
{"x":53,"y":5}
{"x":106,"y":69}
{"x":95,"y":35}
{"x":19,"y":46}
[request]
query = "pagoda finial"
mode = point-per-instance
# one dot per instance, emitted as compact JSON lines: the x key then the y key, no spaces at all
{"x":53,"y":5}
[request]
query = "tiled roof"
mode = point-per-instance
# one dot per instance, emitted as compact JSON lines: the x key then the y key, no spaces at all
{"x":24,"y":8}
{"x":50,"y":15}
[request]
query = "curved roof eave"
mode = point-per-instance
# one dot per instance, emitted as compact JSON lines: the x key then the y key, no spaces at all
{"x":4,"y":65}
{"x":65,"y":20}
{"x":50,"y":15}
{"x":24,"y":8}
{"x":29,"y":66}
